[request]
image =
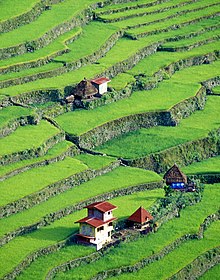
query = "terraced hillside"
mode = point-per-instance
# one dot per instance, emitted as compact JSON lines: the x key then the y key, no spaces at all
{"x":162,"y":107}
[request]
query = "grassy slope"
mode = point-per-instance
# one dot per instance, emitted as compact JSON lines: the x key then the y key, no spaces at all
{"x":155,"y":9}
{"x":55,"y":151}
{"x":213,"y":273}
{"x":58,"y":14}
{"x":146,"y":198}
{"x":36,"y":179}
{"x":146,"y":141}
{"x":211,"y":165}
{"x":77,"y":49}
{"x":188,"y":42}
{"x":27,"y":137}
{"x":165,"y":96}
{"x":179,"y":258}
{"x":10,"y":9}
{"x":105,"y":183}
{"x":16,"y":250}
{"x":114,"y":56}
{"x":129,"y":253}
{"x":10,"y":113}
{"x":55,"y":46}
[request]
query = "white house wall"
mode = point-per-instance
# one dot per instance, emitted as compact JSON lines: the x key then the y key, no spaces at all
{"x":102,"y":88}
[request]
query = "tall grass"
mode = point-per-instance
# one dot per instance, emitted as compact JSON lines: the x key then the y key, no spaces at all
{"x":36,"y":179}
{"x":116,"y":179}
{"x":27,"y":137}
{"x":182,"y":85}
{"x":146,"y":199}
{"x":16,"y":250}
{"x":129,"y":253}
{"x":146,"y":141}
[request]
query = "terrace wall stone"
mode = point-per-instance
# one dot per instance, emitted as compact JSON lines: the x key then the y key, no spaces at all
{"x":210,"y":178}
{"x":21,"y":121}
{"x":50,"y":218}
{"x":171,"y":27}
{"x":27,"y":17}
{"x":125,"y":17}
{"x":112,"y":129}
{"x":71,"y":151}
{"x":183,"y":154}
{"x":53,"y":189}
{"x":32,"y":152}
{"x":199,"y":266}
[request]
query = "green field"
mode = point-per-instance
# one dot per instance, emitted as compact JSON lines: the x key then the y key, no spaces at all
{"x":164,"y":97}
{"x":64,"y":227}
{"x":156,"y":54}
{"x":105,"y":183}
{"x":130,"y":253}
{"x":146,"y":141}
{"x":28,"y":137}
{"x":70,"y":252}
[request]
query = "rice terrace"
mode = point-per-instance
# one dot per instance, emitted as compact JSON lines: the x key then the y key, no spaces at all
{"x":110,"y":139}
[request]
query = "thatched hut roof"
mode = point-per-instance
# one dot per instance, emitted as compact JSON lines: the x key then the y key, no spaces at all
{"x":175,"y":175}
{"x":85,"y":89}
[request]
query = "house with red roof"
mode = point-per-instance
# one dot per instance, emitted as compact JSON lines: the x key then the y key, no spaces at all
{"x":140,"y":218}
{"x":101,"y":84}
{"x":96,"y":229}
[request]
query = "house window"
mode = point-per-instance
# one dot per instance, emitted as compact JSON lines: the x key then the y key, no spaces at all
{"x":99,"y":229}
{"x":109,"y":233}
{"x":110,"y":224}
{"x":109,"y":212}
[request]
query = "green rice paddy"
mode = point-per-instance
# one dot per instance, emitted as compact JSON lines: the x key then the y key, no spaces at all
{"x":146,"y":141}
{"x":188,"y":25}
{"x":129,"y":253}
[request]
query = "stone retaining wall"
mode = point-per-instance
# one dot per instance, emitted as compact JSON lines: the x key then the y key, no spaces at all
{"x":21,"y":121}
{"x":52,"y":190}
{"x":71,"y":151}
{"x":171,"y":27}
{"x":53,"y":248}
{"x":27,"y":17}
{"x":199,"y":266}
{"x":183,"y":154}
{"x":50,"y":218}
{"x":32,"y":152}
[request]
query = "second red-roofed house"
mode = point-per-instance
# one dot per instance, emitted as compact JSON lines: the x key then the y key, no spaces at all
{"x":101,"y":84}
{"x":97,"y":227}
{"x":140,"y":218}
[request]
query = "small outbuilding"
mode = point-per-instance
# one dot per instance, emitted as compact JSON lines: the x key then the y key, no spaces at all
{"x":101,"y":84}
{"x":175,"y":178}
{"x":140,"y":219}
{"x":96,"y":229}
{"x":85,"y":90}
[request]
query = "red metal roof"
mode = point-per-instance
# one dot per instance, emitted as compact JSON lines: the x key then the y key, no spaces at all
{"x":100,"y":81}
{"x":102,"y":206}
{"x":94,"y":221}
{"x":140,"y":216}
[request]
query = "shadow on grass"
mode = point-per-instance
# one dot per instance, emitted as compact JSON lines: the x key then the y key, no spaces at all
{"x":55,"y":234}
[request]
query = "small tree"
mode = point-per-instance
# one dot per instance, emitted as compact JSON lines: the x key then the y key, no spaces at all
{"x":168,"y":190}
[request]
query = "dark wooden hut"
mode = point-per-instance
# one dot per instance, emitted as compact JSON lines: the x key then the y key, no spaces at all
{"x":174,"y":176}
{"x":85,"y":90}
